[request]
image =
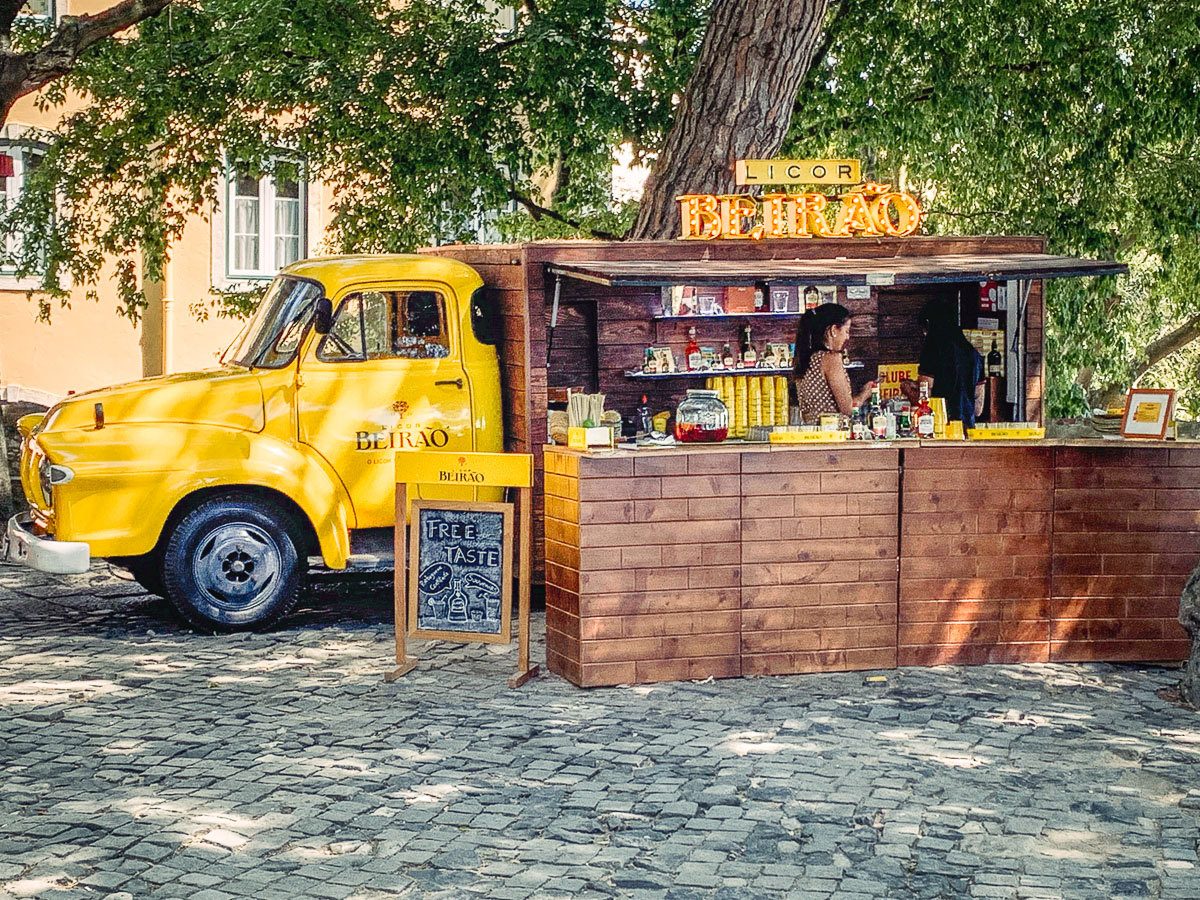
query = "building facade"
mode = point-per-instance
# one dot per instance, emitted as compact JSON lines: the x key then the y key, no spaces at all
{"x":258,"y":226}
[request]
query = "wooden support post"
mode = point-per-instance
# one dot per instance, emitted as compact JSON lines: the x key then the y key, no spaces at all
{"x":524,"y":670}
{"x":404,"y":664}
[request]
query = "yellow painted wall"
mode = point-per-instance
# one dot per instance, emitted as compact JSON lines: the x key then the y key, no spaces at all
{"x":89,"y":345}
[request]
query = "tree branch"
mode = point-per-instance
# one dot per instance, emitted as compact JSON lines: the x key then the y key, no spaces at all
{"x":1169,"y":343}
{"x":833,"y":19}
{"x":537,"y":211}
{"x":1156,"y":351}
{"x":74,"y":35}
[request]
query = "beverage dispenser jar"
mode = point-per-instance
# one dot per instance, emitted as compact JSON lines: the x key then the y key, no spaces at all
{"x":701,"y":418}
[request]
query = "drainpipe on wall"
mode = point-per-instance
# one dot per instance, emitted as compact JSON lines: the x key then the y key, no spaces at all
{"x":168,"y":320}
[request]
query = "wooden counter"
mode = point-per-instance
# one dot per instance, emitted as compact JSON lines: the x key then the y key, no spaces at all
{"x":743,"y":559}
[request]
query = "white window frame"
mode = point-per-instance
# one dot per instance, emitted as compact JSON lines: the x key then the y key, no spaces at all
{"x":10,"y":243}
{"x":268,"y":265}
{"x":51,"y":15}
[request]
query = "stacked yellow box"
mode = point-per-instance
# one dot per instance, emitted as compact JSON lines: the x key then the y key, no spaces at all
{"x":741,"y":403}
{"x":754,"y":401}
{"x":767,"y":392}
{"x":781,"y":400}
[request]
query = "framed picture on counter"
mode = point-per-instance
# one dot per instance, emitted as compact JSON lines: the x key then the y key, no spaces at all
{"x":1147,"y":411}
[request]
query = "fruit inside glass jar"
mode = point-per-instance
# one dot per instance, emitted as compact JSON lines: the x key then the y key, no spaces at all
{"x":694,"y":433}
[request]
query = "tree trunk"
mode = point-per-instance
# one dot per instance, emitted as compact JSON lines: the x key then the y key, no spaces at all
{"x":1189,"y":618}
{"x":737,"y":105}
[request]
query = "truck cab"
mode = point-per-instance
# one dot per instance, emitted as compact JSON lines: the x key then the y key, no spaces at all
{"x":214,"y":488}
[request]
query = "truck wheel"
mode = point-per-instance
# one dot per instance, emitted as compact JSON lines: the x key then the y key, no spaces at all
{"x":232,"y":564}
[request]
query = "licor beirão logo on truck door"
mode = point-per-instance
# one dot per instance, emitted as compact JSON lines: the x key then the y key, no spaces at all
{"x":403,"y":436}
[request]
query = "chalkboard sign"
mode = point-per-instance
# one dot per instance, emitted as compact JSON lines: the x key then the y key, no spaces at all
{"x":460,"y":570}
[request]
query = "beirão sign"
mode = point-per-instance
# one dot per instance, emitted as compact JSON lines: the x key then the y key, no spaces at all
{"x":868,"y":210}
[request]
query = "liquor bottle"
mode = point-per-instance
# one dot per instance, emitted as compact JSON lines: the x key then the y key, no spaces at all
{"x":650,"y":363}
{"x":645,"y":423}
{"x":727,"y":356}
{"x":856,"y":425}
{"x":924,"y":414}
{"x":994,"y":361}
{"x":695,"y":360}
{"x":749,"y":357}
{"x":760,"y":298}
{"x":876,"y":417}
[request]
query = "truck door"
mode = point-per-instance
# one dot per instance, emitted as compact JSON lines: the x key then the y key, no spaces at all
{"x":388,"y":376}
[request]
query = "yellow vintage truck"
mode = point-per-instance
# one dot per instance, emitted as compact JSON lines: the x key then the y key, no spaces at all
{"x":215,"y":488}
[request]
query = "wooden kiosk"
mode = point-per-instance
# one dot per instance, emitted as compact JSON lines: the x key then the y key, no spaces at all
{"x":741,"y":559}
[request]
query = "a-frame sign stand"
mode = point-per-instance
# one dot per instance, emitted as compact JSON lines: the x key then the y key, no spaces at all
{"x":480,"y":470}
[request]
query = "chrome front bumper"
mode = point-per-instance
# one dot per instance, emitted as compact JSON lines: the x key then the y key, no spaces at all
{"x":20,"y":545}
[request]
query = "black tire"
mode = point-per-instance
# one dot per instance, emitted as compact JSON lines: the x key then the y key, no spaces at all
{"x":147,"y":570}
{"x":232,"y":564}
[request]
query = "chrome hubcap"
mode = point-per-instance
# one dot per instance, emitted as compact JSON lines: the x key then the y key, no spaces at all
{"x":236,"y":565}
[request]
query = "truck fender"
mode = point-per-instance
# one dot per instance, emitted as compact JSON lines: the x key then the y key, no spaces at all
{"x":317,"y":493}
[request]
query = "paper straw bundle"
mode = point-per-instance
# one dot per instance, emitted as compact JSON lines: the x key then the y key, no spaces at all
{"x":584,"y":407}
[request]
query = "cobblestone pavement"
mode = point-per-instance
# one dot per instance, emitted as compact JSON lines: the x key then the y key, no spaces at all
{"x":142,"y":760}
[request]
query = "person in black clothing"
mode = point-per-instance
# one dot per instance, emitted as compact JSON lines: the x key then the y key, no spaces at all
{"x":951,"y":367}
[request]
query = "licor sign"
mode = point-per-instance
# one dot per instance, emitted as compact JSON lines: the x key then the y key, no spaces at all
{"x":871,"y":210}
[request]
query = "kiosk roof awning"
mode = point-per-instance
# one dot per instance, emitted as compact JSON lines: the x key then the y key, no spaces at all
{"x":881,"y":271}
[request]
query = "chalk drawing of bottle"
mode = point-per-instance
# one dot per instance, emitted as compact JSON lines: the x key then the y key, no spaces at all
{"x":458,"y":604}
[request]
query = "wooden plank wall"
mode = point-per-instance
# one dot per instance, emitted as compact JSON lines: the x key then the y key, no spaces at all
{"x":651,"y":545}
{"x":819,"y":551}
{"x":975,"y":555}
{"x":750,"y":562}
{"x":1035,"y":355}
{"x":1126,"y":538}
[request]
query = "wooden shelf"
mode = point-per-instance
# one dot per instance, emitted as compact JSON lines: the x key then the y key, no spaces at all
{"x":753,"y":315}
{"x":709,"y":373}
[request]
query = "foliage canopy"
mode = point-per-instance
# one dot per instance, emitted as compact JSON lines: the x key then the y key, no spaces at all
{"x":1076,"y":119}
{"x":414,"y":116}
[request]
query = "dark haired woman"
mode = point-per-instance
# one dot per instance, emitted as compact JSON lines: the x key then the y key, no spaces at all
{"x":822,"y":385}
{"x":951,"y":367}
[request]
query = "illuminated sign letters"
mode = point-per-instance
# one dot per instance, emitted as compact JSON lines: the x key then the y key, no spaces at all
{"x":871,"y":210}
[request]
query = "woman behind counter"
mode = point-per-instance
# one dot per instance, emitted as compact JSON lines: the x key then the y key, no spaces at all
{"x":951,"y":367}
{"x":821,"y":382}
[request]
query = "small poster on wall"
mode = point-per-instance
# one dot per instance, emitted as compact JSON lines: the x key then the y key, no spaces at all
{"x":890,"y":376}
{"x":460,"y":578}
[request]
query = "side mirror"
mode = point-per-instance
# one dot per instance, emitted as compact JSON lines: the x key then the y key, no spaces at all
{"x":323,"y":320}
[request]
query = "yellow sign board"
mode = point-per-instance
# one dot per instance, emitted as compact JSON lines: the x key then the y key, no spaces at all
{"x":465,"y":469}
{"x":1147,"y":412}
{"x":808,"y":437}
{"x":797,"y":171}
{"x":890,"y":376}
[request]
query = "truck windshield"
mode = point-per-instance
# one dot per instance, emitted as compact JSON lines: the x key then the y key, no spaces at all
{"x":273,"y":335}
